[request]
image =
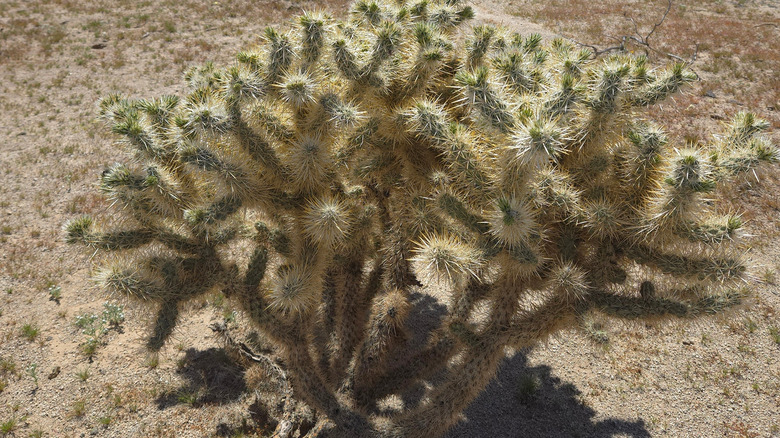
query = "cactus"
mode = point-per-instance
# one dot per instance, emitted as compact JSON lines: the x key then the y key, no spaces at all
{"x":330,"y":172}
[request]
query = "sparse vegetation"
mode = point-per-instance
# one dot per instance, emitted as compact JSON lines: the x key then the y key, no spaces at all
{"x":750,"y":325}
{"x":8,"y":426}
{"x":105,"y":420}
{"x":774,"y":332}
{"x":30,"y":331}
{"x":83,"y":374}
{"x":79,"y":408}
{"x":152,"y":361}
{"x":55,"y":293}
{"x":113,"y":314}
{"x":187,"y":397}
{"x":32,"y":371}
{"x":527,"y":387}
{"x":7,"y":366}
{"x":95,"y":326}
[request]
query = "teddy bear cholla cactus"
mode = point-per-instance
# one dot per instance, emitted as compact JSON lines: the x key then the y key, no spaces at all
{"x":315,"y":179}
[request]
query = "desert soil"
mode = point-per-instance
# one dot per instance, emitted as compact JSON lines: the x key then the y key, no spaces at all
{"x":718,"y":377}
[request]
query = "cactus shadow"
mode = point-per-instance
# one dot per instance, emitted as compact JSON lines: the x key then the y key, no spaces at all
{"x":210,"y":377}
{"x":530,"y":402}
{"x":425,"y":315}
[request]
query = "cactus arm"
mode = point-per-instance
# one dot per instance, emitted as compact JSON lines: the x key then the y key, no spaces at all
{"x":714,"y":268}
{"x":537,"y":324}
{"x":665,"y":84}
{"x":742,"y":147}
{"x":349,"y":324}
{"x":476,"y":369}
{"x":386,"y":330}
{"x":477,"y":92}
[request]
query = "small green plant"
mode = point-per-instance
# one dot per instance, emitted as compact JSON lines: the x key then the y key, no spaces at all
{"x":750,"y":325}
{"x":30,"y":331}
{"x":595,"y":330}
{"x":8,"y":427}
{"x":229,"y":316}
{"x":527,"y":387}
{"x":95,"y":326}
{"x":113,"y":314}
{"x":105,"y":420}
{"x":774,"y":332}
{"x":218,"y":300}
{"x":79,"y":408}
{"x":93,"y":329}
{"x":7,"y":366}
{"x":32,"y":371}
{"x":152,"y":361}
{"x":55,"y":293}
{"x":83,"y":374}
{"x":116,"y":400}
{"x":90,"y":346}
{"x":86,"y":322}
{"x":187,"y":397}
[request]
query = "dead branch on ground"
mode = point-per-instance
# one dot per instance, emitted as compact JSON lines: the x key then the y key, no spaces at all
{"x":640,"y":40}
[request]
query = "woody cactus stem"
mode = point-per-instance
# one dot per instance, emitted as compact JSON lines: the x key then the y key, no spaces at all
{"x":339,"y":166}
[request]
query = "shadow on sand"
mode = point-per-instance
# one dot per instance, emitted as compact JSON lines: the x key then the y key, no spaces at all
{"x":530,"y":402}
{"x":211,"y":377}
{"x":521,"y":401}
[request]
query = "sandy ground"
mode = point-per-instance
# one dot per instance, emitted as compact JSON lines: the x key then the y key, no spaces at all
{"x":719,"y":377}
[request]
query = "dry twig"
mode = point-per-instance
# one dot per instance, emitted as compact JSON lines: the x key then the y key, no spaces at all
{"x":641,"y":40}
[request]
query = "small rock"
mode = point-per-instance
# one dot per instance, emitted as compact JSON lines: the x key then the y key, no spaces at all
{"x":99,"y":46}
{"x":54,"y":372}
{"x":716,"y":116}
{"x":687,"y":342}
{"x":21,"y":133}
{"x":710,"y":94}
